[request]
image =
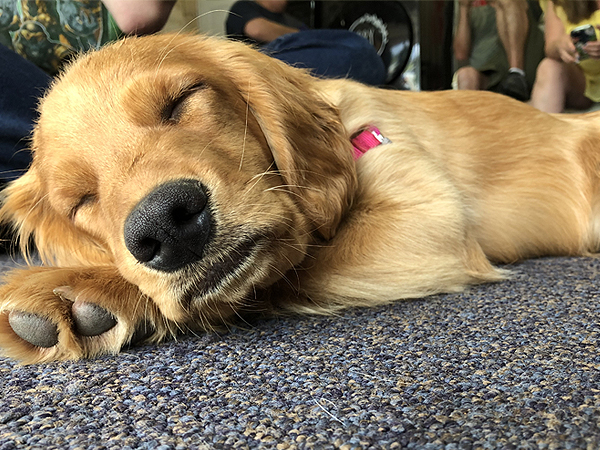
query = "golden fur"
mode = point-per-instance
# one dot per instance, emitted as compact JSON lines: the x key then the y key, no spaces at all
{"x":469,"y":178}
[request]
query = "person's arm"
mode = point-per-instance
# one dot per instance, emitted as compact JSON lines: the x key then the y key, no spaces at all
{"x":558,"y":44}
{"x":140,"y":16}
{"x":264,"y":30}
{"x":462,"y":36}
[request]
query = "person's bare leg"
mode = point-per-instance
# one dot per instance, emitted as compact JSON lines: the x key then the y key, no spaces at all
{"x":559,"y":85}
{"x":513,"y":26}
{"x":469,"y":78}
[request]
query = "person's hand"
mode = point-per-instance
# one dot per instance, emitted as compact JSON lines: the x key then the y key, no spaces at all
{"x":566,"y":49}
{"x":592,"y":49}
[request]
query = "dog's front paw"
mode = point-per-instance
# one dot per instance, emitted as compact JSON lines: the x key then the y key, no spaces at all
{"x":90,"y":314}
{"x":88,"y":320}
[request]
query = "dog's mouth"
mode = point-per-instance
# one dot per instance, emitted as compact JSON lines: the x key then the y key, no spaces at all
{"x":224,"y":273}
{"x":227,"y":265}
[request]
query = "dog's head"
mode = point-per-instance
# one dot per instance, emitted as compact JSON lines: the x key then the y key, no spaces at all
{"x":199,"y":167}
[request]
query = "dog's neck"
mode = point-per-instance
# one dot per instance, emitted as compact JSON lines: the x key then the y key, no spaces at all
{"x":366,"y":139}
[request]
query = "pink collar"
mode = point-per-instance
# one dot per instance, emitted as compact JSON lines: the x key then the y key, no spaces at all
{"x":366,"y":139}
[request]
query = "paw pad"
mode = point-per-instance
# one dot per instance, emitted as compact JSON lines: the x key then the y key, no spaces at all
{"x":34,"y":329}
{"x":92,"y":320}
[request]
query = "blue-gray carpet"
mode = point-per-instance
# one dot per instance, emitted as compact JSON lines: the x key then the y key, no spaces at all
{"x":510,"y":365}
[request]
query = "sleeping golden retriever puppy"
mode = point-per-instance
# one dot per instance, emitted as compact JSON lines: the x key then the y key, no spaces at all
{"x":183,"y":182}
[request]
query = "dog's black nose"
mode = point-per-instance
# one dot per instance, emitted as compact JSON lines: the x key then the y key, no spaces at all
{"x":169,"y":228}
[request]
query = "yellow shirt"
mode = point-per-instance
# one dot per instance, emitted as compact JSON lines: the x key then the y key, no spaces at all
{"x":590,"y":67}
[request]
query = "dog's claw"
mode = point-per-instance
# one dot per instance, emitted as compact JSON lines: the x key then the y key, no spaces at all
{"x":34,"y":329}
{"x":91,"y":320}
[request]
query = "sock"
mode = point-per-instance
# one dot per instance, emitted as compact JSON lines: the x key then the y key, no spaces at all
{"x":516,"y":70}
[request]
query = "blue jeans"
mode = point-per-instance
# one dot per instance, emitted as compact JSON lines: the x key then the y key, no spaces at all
{"x":23,"y":83}
{"x":330,"y":54}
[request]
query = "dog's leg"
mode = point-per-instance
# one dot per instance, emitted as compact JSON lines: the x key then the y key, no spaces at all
{"x":51,"y":313}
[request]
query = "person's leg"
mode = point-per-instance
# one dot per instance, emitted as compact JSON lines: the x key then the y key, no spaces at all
{"x":22,"y":85}
{"x":331,"y":54}
{"x":513,"y":25}
{"x":469,"y":78}
{"x":558,"y":86}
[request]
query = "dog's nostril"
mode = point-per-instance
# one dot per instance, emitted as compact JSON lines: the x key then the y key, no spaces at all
{"x":183,"y":215}
{"x":148,"y":249}
{"x":169,"y":228}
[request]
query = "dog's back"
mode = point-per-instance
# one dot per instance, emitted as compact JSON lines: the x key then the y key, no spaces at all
{"x":528,"y":180}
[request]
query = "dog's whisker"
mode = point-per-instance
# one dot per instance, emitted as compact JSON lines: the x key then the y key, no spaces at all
{"x":216,"y":311}
{"x":293,"y":186}
{"x":170,"y":49}
{"x":269,"y":171}
{"x":293,"y":269}
{"x":245,"y":127}
{"x":258,"y":177}
{"x":241,"y":318}
{"x":201,"y":16}
{"x":285,"y":190}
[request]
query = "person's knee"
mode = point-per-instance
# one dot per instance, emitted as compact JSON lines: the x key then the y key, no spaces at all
{"x":468,"y":78}
{"x":550,"y":71}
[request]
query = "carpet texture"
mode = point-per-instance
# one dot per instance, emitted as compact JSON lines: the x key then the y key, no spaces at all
{"x":510,"y":365}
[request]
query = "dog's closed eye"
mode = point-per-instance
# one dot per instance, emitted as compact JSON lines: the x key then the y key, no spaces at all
{"x":85,"y":200}
{"x":176,"y":106}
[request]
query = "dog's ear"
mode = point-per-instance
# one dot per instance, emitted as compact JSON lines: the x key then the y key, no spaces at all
{"x":21,"y":203}
{"x":306,"y":137}
{"x":25,"y":206}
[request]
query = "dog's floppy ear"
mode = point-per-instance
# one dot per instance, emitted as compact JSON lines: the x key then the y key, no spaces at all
{"x":306,"y":137}
{"x":25,"y":206}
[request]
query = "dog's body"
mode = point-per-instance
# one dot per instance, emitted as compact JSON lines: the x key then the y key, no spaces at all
{"x":181,"y":182}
